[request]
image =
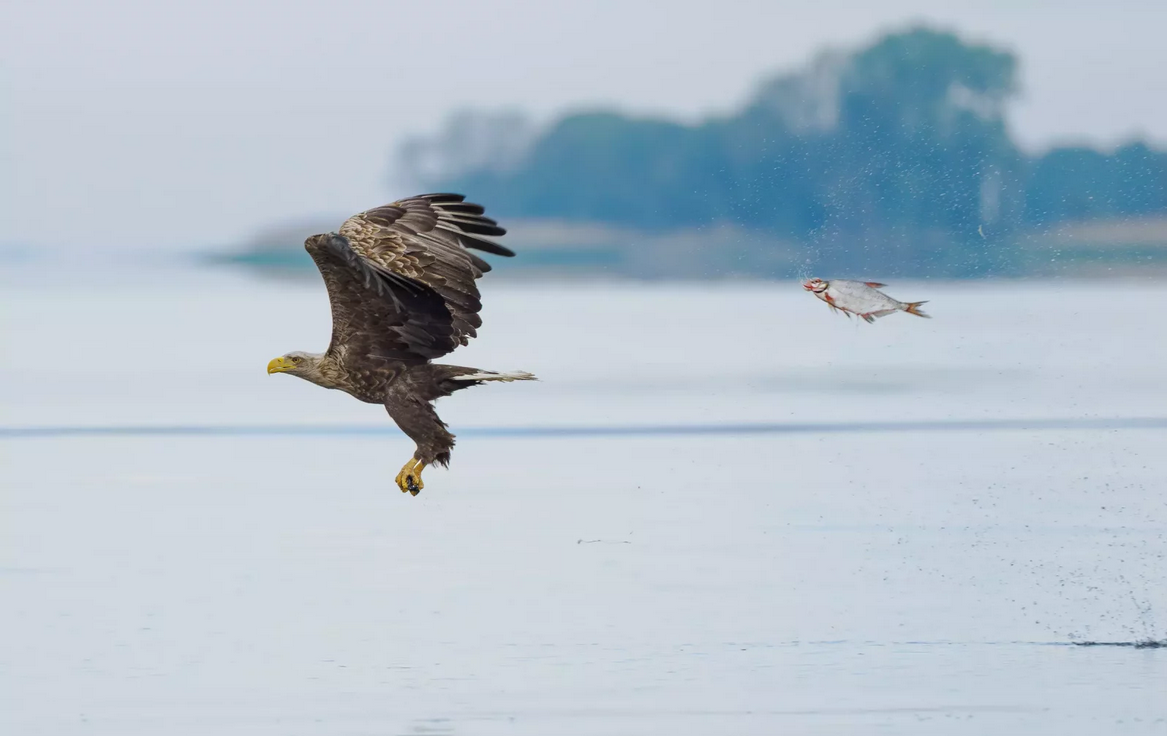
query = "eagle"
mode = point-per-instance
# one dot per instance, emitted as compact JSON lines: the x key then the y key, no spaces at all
{"x":401,"y":281}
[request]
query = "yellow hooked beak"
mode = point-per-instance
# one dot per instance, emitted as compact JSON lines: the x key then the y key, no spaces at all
{"x":279,"y":365}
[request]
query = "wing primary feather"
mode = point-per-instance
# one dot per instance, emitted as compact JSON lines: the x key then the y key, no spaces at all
{"x":475,"y":227}
{"x":465,"y":208}
{"x":481,"y":265}
{"x":479,"y":243}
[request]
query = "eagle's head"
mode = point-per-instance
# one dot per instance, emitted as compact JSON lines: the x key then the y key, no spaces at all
{"x":818,"y":286}
{"x":304,"y":365}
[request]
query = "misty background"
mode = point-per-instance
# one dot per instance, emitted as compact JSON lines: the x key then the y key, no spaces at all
{"x":961,"y":139}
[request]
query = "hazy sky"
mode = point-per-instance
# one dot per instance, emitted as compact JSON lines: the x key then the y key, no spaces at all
{"x":178,"y":123}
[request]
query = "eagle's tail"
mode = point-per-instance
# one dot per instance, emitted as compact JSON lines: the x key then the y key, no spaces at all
{"x":434,"y":381}
{"x":492,"y":376}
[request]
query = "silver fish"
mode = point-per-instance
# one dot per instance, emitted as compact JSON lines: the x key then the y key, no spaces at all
{"x":860,"y":297}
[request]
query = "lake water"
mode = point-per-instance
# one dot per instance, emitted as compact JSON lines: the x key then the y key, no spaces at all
{"x":723,"y":510}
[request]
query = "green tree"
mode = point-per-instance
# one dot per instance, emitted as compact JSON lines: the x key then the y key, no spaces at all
{"x":896,"y":155}
{"x":1082,"y":183}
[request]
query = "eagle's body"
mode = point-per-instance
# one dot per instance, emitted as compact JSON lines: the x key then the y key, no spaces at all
{"x":401,"y":283}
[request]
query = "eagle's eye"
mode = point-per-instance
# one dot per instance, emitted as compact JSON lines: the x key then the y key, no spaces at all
{"x":296,"y":359}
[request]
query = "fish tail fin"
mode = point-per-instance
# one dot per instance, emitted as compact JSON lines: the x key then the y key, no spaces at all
{"x":914,"y":308}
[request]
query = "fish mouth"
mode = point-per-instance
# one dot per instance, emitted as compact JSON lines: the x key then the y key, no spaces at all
{"x":814,"y":286}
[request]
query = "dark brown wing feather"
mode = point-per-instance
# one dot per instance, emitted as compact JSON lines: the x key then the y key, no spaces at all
{"x":401,"y":280}
{"x":425,"y":239}
{"x":379,"y":318}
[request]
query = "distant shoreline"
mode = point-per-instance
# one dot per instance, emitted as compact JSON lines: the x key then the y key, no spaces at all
{"x":1091,"y":249}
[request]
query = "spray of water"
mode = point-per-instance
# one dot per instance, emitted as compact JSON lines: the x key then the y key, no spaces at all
{"x":803,"y":274}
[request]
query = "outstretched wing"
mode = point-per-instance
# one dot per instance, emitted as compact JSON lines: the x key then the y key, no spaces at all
{"x":401,"y":280}
{"x":425,"y":239}
{"x":379,"y":318}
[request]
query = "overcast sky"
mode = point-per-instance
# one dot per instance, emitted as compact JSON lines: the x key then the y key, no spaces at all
{"x":146,"y":122}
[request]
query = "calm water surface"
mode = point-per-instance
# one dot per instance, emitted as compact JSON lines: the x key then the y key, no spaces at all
{"x":881,"y":577}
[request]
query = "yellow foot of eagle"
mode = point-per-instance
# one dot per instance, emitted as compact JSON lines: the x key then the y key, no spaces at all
{"x":409,"y":479}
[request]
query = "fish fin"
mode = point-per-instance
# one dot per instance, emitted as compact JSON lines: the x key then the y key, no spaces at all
{"x":914,"y":308}
{"x":874,"y":284}
{"x":868,"y":317}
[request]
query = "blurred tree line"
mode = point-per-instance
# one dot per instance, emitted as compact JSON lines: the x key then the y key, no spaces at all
{"x":894,"y":153}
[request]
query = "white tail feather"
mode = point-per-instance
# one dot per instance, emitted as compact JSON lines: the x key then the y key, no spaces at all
{"x":489,"y":376}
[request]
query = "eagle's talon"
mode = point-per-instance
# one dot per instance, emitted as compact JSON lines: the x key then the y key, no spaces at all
{"x":409,"y":479}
